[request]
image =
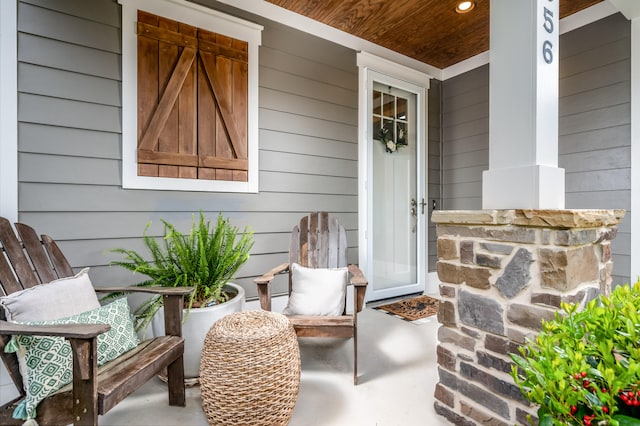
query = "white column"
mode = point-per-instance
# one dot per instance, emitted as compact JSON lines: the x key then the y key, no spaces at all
{"x":523,"y":112}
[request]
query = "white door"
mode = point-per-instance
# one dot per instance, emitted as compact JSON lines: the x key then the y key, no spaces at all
{"x":395,"y":231}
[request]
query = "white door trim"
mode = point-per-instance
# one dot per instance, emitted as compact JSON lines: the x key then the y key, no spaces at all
{"x":372,"y":68}
{"x":9,"y":110}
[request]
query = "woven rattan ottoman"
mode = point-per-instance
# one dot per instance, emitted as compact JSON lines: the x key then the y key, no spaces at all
{"x":250,"y":370}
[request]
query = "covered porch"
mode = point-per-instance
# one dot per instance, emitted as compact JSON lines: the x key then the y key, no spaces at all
{"x":63,"y":128}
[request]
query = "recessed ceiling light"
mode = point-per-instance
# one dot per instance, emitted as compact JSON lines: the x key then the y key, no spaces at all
{"x":465,"y":6}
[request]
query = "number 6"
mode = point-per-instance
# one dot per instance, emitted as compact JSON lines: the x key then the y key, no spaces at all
{"x":547,"y":51}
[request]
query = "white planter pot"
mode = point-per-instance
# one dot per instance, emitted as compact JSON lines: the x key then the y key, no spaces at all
{"x":197,"y":324}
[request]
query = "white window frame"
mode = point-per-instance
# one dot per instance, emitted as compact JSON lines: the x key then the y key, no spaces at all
{"x":201,"y":17}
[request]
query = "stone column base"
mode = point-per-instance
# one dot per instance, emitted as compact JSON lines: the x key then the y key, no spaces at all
{"x":502,"y":272}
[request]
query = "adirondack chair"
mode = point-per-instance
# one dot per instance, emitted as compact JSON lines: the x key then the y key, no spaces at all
{"x":319,"y":241}
{"x":36,"y":261}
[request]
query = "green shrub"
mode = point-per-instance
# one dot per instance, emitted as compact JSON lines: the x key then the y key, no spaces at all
{"x":583,"y":368}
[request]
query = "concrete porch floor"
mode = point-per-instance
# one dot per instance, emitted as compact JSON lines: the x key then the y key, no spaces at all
{"x":397,"y":377}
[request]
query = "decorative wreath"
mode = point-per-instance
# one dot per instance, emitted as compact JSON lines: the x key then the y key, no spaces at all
{"x":386,"y":137}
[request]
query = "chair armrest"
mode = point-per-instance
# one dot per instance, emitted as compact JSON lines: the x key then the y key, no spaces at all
{"x":168,"y":291}
{"x":69,"y":331}
{"x":268,"y":277}
{"x":83,"y":340}
{"x":173,"y":298}
{"x":264,"y":287}
{"x":359,"y":282}
{"x":357,"y":278}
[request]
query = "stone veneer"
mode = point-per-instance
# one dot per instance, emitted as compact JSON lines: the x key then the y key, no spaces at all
{"x":501,"y":273}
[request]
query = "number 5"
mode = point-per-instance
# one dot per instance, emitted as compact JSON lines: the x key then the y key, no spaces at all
{"x":548,"y":20}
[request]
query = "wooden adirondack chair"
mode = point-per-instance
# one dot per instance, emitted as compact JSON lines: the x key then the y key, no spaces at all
{"x":319,"y":241}
{"x":36,"y":261}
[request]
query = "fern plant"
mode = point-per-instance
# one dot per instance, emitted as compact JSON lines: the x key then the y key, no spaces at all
{"x":205,"y":259}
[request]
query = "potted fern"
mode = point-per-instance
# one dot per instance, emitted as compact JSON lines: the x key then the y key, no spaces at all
{"x":206,"y":259}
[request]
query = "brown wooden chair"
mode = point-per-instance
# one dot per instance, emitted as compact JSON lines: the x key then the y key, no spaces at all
{"x":36,"y":261}
{"x":319,"y":241}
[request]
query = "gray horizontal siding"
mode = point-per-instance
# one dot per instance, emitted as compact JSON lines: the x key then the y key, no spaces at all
{"x":70,"y":134}
{"x":271,"y":140}
{"x":71,"y":57}
{"x":35,"y":108}
{"x":598,"y":139}
{"x":81,"y":197}
{"x":465,"y":149}
{"x":594,"y":128}
{"x":68,"y":141}
{"x":289,"y":122}
{"x":434,"y":167}
{"x":100,"y":12}
{"x":69,"y":85}
{"x":594,"y":125}
{"x":79,"y":225}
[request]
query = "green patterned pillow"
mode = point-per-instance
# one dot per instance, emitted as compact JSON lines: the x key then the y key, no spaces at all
{"x":49,"y":359}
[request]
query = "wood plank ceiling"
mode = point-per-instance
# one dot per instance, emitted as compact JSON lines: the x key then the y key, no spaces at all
{"x":427,"y":30}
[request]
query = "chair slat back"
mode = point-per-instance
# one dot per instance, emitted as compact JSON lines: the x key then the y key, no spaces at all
{"x":318,"y":241}
{"x":60,"y":263}
{"x":9,"y":282}
{"x":30,"y":262}
{"x":12,"y":249}
{"x":33,"y":247}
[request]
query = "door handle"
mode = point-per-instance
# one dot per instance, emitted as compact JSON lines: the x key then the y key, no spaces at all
{"x":423,"y":204}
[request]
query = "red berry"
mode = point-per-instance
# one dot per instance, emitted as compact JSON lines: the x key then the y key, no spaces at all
{"x":585,"y":383}
{"x":636,"y":403}
{"x":574,"y":409}
{"x":605,"y":409}
{"x":583,"y":374}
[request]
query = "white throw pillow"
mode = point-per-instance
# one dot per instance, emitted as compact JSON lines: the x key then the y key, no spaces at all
{"x":317,"y":291}
{"x":58,"y":299}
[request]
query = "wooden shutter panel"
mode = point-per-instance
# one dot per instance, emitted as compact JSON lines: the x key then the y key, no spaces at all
{"x":192,"y":102}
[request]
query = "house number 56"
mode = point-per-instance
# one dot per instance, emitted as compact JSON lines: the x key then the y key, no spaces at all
{"x":547,"y":46}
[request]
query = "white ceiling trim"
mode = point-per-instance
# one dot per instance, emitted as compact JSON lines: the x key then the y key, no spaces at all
{"x":629,"y":8}
{"x":466,"y":65}
{"x":587,"y":16}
